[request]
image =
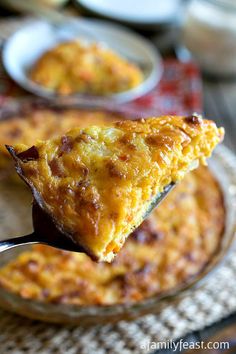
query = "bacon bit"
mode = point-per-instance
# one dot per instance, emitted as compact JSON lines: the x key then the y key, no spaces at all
{"x":128,"y":281}
{"x":145,"y":270}
{"x":33,"y":266}
{"x":45,"y":293}
{"x":86,"y":198}
{"x":56,"y":168}
{"x":67,"y":144}
{"x":32,"y":172}
{"x":83,"y":137}
{"x":193,"y":119}
{"x":147,"y":233}
{"x":190,"y":256}
{"x":82,"y":185}
{"x":160,"y":140}
{"x":113,"y":171}
{"x":15,"y":133}
{"x":139,"y":120}
{"x":114,"y":215}
{"x":118,"y":123}
{"x":31,"y":154}
{"x":92,"y":204}
{"x":124,"y":157}
{"x":127,"y":141}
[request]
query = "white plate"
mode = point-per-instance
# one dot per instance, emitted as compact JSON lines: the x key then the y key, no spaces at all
{"x":25,"y":46}
{"x":133,"y":12}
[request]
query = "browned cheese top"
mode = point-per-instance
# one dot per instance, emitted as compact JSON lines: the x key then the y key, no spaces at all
{"x":98,"y":182}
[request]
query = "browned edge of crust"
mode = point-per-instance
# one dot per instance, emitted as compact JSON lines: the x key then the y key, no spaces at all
{"x":38,"y":199}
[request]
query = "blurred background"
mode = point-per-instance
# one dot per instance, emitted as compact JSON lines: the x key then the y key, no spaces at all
{"x":195,"y":41}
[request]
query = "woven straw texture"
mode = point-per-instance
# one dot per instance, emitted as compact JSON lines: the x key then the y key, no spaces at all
{"x":197,"y":309}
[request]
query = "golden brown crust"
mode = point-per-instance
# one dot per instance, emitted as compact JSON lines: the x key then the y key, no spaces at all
{"x":171,"y":247}
{"x":96,"y":196}
{"x":73,"y":67}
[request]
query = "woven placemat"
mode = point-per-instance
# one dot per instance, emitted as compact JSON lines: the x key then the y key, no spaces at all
{"x":197,"y":309}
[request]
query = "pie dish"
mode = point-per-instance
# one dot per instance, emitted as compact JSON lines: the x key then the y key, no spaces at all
{"x":99,"y":183}
{"x":159,"y":255}
{"x":196,"y":258}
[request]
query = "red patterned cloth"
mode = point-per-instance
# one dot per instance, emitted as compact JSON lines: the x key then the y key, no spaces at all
{"x":178,"y":92}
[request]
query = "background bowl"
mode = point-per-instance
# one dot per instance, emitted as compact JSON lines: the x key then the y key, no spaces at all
{"x":223,"y":166}
{"x":152,"y":16}
{"x":26,"y":45}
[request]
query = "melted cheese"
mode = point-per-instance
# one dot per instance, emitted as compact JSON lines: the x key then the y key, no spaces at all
{"x":73,"y":67}
{"x":99,"y":182}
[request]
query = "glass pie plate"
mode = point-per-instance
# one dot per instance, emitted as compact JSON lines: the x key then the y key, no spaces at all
{"x":16,"y":220}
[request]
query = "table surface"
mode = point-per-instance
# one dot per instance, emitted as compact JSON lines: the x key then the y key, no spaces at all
{"x":220,"y":105}
{"x":219,"y":97}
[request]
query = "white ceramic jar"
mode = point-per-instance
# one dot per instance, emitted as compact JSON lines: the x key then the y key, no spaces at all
{"x":209,"y":33}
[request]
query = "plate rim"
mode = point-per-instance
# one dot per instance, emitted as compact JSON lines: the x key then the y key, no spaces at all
{"x":146,"y":86}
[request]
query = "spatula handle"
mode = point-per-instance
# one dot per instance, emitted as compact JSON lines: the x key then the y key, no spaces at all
{"x":18,"y":241}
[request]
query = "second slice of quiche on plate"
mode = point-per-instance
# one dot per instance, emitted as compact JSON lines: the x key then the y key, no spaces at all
{"x":98,"y":183}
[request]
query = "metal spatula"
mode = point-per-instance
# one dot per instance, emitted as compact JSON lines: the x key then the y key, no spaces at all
{"x":46,"y":232}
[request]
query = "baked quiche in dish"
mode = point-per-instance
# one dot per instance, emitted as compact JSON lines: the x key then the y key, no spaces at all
{"x":169,"y":249}
{"x":99,"y":183}
{"x":87,"y":68}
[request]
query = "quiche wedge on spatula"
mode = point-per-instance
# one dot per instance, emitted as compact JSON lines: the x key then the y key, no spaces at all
{"x":99,"y":183}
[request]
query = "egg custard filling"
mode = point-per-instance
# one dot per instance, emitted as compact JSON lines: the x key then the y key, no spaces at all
{"x":98,"y":183}
{"x":42,"y":124}
{"x":76,"y":67}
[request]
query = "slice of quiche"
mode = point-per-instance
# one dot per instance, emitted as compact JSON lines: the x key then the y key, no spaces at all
{"x":98,"y":183}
